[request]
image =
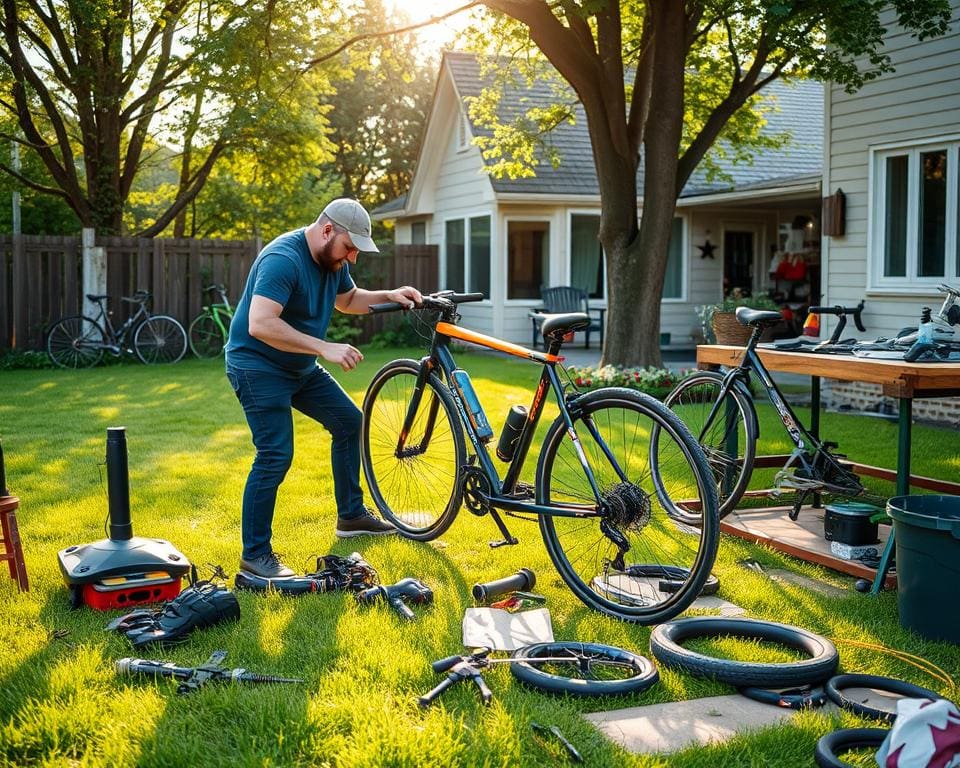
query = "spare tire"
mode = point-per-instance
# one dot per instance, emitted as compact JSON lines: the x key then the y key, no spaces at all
{"x":844,"y":740}
{"x":837,"y":685}
{"x":666,"y":644}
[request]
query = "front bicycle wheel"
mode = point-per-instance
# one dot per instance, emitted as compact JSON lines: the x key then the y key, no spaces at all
{"x":583,"y":669}
{"x":727,"y":432}
{"x":613,"y":553}
{"x":75,"y":342}
{"x":416,"y":484}
{"x":206,"y":338}
{"x":159,"y":339}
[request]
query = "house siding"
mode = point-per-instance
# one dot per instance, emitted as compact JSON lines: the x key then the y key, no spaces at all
{"x":920,"y":100}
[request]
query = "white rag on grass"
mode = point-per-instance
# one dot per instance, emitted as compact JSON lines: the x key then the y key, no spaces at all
{"x":504,"y":631}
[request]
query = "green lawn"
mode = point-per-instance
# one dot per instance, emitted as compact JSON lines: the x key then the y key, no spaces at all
{"x":189,"y":450}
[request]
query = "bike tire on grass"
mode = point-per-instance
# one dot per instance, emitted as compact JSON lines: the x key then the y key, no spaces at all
{"x":75,"y":342}
{"x":593,"y":669}
{"x":666,"y":644}
{"x":206,"y":338}
{"x":159,"y":339}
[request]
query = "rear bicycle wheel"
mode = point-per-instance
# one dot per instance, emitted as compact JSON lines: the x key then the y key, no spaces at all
{"x":75,"y":342}
{"x":159,"y":339}
{"x":583,"y":669}
{"x":206,"y":338}
{"x":728,"y":436}
{"x":613,"y":555}
{"x":418,"y":488}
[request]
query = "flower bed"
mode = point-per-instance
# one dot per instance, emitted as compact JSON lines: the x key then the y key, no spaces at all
{"x":657,"y":382}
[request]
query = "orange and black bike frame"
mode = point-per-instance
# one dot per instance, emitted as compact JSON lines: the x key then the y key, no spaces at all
{"x":504,"y":494}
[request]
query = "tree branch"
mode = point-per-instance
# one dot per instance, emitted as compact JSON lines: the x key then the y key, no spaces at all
{"x":386,"y":33}
{"x":34,"y":185}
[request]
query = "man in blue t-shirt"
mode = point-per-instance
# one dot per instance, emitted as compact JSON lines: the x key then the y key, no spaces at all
{"x":276,"y":336}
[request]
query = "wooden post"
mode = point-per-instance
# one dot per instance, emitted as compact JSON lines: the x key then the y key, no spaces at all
{"x":94,"y":270}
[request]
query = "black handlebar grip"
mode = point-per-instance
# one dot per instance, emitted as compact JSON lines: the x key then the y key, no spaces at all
{"x":463,"y":298}
{"x":427,"y":698}
{"x":443,"y":665}
{"x":387,"y":306}
{"x":522,"y":581}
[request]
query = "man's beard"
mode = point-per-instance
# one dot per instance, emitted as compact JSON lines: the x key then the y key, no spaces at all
{"x":325,"y":257}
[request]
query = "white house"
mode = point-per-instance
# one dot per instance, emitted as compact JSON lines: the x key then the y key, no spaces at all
{"x":893,"y":147}
{"x":509,"y":237}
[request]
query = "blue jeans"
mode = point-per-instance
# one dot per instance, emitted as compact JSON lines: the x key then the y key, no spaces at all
{"x":267,"y":399}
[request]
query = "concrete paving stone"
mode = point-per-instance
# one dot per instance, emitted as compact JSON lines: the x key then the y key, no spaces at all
{"x":679,"y":724}
{"x":798,"y":579}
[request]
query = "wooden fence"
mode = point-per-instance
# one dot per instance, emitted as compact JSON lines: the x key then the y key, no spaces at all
{"x":41,"y":280}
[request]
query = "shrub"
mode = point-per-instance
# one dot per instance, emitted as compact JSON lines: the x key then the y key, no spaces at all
{"x":657,"y":382}
{"x":13,"y":359}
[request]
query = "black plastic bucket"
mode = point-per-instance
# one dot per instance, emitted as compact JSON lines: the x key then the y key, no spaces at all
{"x":927,"y":530}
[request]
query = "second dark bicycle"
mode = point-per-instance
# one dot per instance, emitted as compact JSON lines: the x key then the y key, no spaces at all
{"x":79,"y":341}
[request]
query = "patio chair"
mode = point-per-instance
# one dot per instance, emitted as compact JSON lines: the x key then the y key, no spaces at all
{"x":560,"y":300}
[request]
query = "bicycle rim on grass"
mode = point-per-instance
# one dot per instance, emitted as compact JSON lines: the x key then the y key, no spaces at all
{"x":206,"y":338}
{"x":584,"y":669}
{"x":159,"y":339}
{"x":727,"y":433}
{"x":615,"y":429}
{"x":75,"y":342}
{"x":417,"y":487}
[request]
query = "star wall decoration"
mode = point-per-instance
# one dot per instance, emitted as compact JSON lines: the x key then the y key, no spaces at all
{"x":706,"y":250}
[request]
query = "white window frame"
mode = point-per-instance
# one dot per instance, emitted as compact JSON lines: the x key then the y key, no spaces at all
{"x":549,"y":219}
{"x":684,"y":261}
{"x":465,"y":218}
{"x":877,"y":282}
{"x":571,"y":212}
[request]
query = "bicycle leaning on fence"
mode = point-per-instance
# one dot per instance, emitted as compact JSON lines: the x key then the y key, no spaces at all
{"x":79,"y":341}
{"x":719,"y":409}
{"x":615,"y":469}
{"x":208,"y":330}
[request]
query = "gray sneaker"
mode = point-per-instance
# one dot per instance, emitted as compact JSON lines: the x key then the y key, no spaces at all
{"x":366,"y":524}
{"x":269,"y":566}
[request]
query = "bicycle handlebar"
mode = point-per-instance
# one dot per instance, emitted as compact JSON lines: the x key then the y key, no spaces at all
{"x":441,"y":300}
{"x":840,"y":311}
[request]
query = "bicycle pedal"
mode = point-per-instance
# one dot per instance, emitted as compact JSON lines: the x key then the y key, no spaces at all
{"x":504,"y":542}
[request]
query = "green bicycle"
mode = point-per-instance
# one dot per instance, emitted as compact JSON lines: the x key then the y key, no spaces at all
{"x":208,"y":330}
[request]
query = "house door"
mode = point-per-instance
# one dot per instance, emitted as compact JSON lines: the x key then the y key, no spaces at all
{"x":738,"y":253}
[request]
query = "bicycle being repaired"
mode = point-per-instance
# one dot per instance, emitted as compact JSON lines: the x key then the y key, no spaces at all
{"x":615,"y":472}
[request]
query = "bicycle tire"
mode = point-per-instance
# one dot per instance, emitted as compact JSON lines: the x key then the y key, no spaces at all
{"x":587,"y":558}
{"x":665,"y":644}
{"x":205,"y":337}
{"x":625,"y":672}
{"x":159,"y":339}
{"x":419,"y":493}
{"x":837,"y":684}
{"x":68,"y":340}
{"x":692,"y":400}
{"x":833,"y":744}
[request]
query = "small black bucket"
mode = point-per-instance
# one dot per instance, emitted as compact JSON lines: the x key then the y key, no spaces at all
{"x":927,"y":530}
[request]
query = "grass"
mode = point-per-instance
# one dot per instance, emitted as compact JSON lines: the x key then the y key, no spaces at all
{"x":189,"y":449}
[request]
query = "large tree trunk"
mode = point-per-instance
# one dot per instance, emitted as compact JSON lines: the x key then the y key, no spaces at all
{"x":636,"y":261}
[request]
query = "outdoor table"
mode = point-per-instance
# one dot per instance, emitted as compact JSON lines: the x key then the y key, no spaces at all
{"x":898,"y":379}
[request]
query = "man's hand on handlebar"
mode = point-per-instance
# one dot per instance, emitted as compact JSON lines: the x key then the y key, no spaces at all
{"x":406,"y":295}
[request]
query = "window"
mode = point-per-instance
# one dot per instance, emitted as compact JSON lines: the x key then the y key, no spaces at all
{"x":480,"y":255}
{"x":528,"y":252}
{"x":418,"y":233}
{"x":453,"y":256}
{"x":468,"y":268}
{"x":914,"y":240}
{"x":586,"y":255}
{"x":673,"y":281}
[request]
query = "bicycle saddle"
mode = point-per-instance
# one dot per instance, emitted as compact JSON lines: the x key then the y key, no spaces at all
{"x":558,"y":325}
{"x":201,"y":605}
{"x":98,"y":296}
{"x":747,"y":316}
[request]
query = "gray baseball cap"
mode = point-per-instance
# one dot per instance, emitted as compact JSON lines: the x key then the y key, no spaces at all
{"x":352,"y":216}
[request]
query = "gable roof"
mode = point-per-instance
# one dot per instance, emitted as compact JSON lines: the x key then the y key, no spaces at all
{"x":799,"y":111}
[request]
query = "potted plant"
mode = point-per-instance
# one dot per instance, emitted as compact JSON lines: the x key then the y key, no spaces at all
{"x":719,"y":321}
